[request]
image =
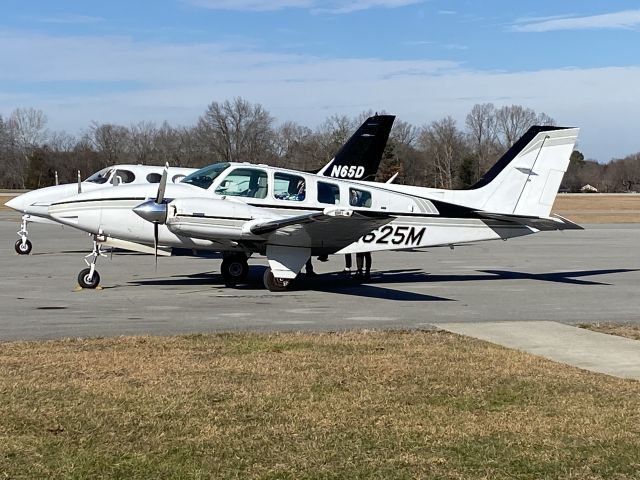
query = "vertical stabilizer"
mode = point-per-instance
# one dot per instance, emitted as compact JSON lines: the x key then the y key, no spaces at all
{"x":525,"y":181}
{"x":360,"y":157}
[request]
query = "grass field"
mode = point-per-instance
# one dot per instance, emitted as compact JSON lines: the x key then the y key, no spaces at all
{"x":587,"y":208}
{"x":351,"y":405}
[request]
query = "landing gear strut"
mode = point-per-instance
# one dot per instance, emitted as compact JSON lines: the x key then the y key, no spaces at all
{"x":89,"y":277}
{"x":23,"y":246}
{"x":274,"y":284}
{"x":234,"y":269}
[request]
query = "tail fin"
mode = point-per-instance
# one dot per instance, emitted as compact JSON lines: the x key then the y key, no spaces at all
{"x":525,"y":181}
{"x":360,"y":157}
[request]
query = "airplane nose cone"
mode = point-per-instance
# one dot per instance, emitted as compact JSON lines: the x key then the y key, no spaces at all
{"x":16,"y":203}
{"x":152,"y":212}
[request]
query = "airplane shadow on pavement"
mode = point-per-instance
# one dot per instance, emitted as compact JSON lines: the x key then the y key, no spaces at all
{"x":326,"y":282}
{"x":348,"y":285}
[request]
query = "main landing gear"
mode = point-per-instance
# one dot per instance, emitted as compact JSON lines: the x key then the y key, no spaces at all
{"x":23,"y":246}
{"x":234,"y":268}
{"x":274,"y":284}
{"x":89,"y":277}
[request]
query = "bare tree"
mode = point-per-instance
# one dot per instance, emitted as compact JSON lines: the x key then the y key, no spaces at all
{"x":482,"y":126}
{"x":111,"y":142}
{"x":142,"y":137}
{"x":237,"y":131}
{"x":296,"y":146}
{"x":445,"y":146}
{"x":27,"y":131}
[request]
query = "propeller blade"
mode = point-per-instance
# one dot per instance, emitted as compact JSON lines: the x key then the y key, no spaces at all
{"x":79,"y":182}
{"x":155,"y":244}
{"x":163,"y":184}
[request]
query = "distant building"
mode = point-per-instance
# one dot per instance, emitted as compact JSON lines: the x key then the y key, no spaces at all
{"x":589,"y":189}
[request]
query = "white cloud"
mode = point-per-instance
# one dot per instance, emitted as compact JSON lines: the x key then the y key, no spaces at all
{"x":65,"y":77}
{"x":618,"y":20}
{"x":316,"y":6}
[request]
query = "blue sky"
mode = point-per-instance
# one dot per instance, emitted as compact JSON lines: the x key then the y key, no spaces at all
{"x":303,"y":60}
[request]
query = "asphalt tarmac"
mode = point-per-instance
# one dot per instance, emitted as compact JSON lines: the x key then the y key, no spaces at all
{"x":569,"y":277}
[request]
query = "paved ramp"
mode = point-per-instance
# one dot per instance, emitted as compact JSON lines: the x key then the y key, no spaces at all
{"x":575,"y":346}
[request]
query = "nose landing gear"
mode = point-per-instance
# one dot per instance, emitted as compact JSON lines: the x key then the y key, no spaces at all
{"x":89,"y":277}
{"x":23,"y":246}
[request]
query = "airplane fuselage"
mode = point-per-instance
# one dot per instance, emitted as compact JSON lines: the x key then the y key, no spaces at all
{"x":216,"y":217}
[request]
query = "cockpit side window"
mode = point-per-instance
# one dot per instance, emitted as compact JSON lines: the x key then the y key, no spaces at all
{"x":359,"y":198}
{"x":204,"y":177}
{"x":289,"y":187}
{"x":328,"y":193}
{"x":244,"y":182}
{"x":101,"y":176}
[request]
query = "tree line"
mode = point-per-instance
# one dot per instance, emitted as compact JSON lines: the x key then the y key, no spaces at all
{"x":440,"y":154}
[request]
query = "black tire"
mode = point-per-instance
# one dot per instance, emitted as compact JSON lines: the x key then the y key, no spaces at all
{"x":23,"y":248}
{"x":85,"y":281}
{"x":234,"y":269}
{"x":272,"y":283}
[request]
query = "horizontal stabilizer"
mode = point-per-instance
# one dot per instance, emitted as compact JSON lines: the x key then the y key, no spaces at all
{"x":555,"y":222}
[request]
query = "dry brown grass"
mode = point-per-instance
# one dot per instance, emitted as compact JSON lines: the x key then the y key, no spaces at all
{"x":4,"y":199}
{"x":621,"y":330}
{"x":351,"y":405}
{"x":594,"y":208}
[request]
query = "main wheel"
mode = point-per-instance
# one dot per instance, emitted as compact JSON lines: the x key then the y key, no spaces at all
{"x":23,"y":248}
{"x":86,"y":281}
{"x":234,"y":269}
{"x":274,"y":284}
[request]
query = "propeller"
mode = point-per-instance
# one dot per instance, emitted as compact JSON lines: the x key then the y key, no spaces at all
{"x":79,"y":182}
{"x":155,"y":211}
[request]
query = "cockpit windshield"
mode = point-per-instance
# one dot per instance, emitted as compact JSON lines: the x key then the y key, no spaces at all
{"x":101,"y":176}
{"x":204,"y":177}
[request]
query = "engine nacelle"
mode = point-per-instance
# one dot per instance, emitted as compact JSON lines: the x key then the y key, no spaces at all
{"x":212,"y":218}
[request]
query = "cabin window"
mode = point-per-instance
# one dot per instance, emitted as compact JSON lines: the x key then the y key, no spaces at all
{"x":289,"y":187}
{"x":328,"y":193}
{"x":123,"y":176}
{"x":204,"y":177}
{"x":244,"y":182}
{"x":177,"y":178}
{"x":154,"y":177}
{"x":359,"y":198}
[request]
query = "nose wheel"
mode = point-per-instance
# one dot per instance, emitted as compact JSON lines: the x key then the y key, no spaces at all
{"x":234,"y":269}
{"x":23,"y":247}
{"x":87,"y":279}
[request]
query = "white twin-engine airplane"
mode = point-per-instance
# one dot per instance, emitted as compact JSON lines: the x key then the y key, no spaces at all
{"x":288,"y":216}
{"x":358,"y":158}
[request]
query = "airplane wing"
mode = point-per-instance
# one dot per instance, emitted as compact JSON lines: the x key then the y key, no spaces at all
{"x":555,"y":222}
{"x":332,"y":229}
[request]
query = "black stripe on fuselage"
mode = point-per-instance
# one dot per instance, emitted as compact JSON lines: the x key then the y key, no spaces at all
{"x":141,"y":199}
{"x":447,"y":210}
